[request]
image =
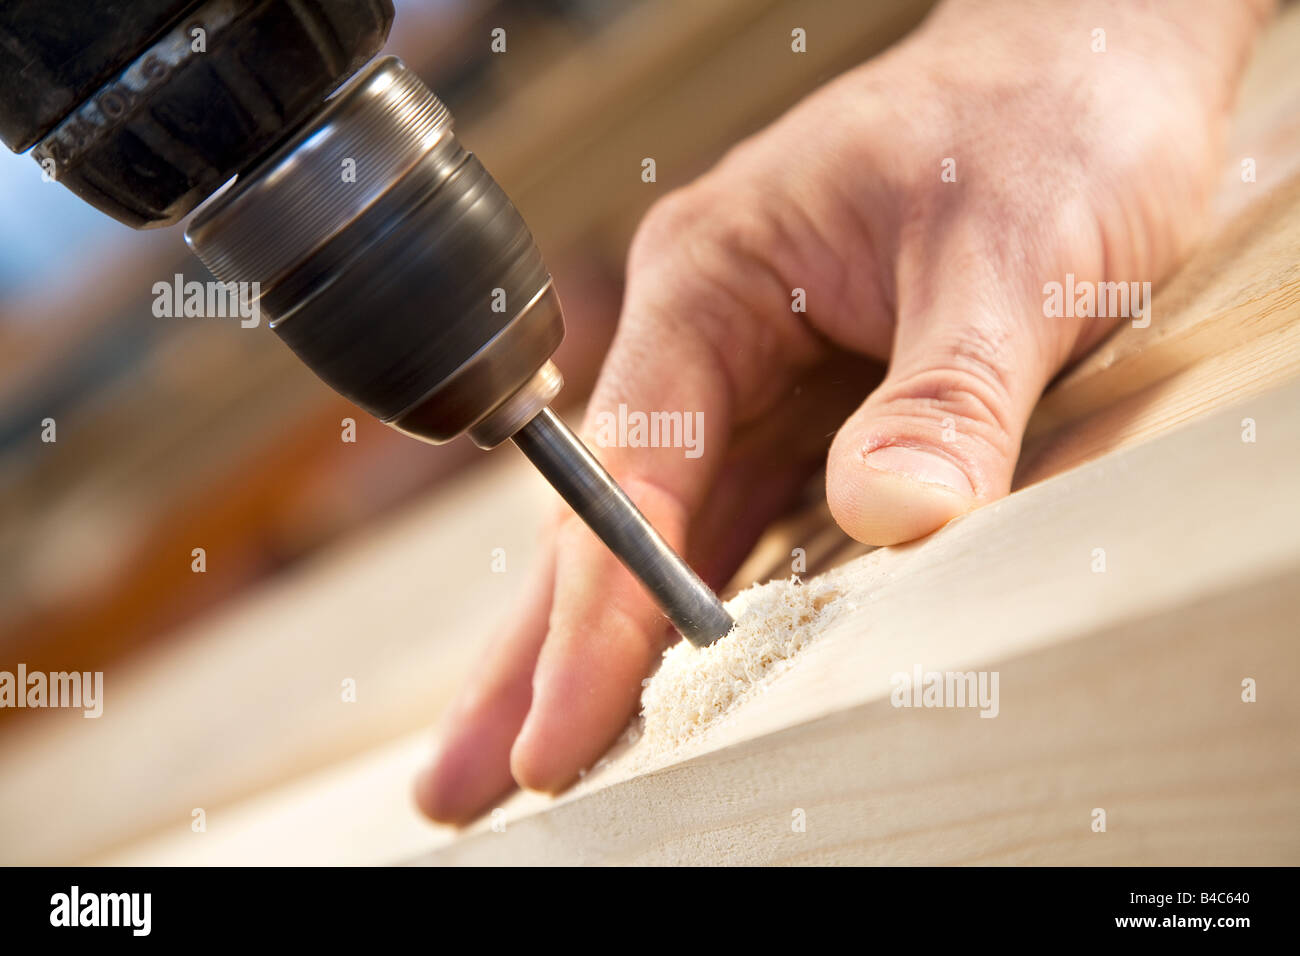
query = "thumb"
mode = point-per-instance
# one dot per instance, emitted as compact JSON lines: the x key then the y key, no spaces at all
{"x":942,"y":432}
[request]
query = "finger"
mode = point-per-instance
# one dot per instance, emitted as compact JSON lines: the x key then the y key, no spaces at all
{"x":602,"y":638}
{"x":470,"y":766}
{"x":942,"y":432}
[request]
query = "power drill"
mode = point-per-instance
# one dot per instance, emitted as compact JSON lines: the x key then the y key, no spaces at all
{"x":382,"y":251}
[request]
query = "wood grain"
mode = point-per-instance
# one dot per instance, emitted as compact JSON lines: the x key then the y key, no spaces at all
{"x":1226,"y":326}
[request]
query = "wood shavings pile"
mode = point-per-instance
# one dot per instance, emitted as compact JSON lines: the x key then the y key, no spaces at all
{"x":696,"y":686}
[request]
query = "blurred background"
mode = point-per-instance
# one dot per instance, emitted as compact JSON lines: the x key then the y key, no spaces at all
{"x":181,"y":433}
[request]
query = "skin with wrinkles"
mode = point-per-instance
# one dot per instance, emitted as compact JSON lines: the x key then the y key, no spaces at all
{"x":1066,"y":161}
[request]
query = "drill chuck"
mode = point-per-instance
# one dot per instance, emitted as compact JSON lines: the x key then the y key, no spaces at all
{"x":393,"y":264}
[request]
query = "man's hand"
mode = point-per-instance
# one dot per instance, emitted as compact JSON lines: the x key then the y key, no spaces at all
{"x":921,"y":202}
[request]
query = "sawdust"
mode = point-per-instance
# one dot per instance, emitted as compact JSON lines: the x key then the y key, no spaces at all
{"x":695,"y":687}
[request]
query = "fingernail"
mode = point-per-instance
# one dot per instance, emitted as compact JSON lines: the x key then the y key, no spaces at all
{"x":921,"y":465}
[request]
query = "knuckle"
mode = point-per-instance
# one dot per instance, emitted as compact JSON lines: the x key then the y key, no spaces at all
{"x":665,"y":222}
{"x":719,"y":228}
{"x":968,"y":378}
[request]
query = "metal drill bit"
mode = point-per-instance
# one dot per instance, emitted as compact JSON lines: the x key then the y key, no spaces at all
{"x":581,"y":481}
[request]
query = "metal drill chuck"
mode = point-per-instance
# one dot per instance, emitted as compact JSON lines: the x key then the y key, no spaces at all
{"x":393,"y":264}
{"x":389,"y":260}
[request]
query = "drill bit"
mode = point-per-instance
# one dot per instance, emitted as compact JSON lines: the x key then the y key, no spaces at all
{"x":581,"y":481}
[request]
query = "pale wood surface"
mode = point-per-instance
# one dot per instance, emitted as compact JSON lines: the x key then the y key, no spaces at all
{"x":1119,"y":690}
{"x":253,"y":695}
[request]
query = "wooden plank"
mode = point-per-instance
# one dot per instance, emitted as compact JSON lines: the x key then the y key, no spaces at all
{"x":355,"y":812}
{"x":253,"y":695}
{"x":1182,"y":768}
{"x":1119,"y":690}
